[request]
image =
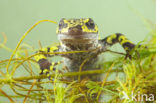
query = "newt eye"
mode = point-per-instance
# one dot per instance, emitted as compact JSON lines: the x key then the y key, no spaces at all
{"x":90,"y":24}
{"x":62,"y":24}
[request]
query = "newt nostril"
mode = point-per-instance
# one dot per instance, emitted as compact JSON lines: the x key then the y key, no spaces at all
{"x":79,"y":27}
{"x":75,"y":31}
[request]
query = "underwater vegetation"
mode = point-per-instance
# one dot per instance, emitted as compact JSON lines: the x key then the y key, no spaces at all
{"x":134,"y":79}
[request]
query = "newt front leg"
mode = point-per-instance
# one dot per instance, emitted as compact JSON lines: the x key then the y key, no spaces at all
{"x":45,"y":65}
{"x":118,"y":38}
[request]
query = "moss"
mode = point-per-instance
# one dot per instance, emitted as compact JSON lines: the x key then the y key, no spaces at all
{"x":132,"y":76}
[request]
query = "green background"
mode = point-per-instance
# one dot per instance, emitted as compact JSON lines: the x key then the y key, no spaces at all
{"x":111,"y":16}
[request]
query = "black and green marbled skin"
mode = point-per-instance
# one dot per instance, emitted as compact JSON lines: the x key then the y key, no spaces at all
{"x":77,"y":39}
{"x":80,"y":35}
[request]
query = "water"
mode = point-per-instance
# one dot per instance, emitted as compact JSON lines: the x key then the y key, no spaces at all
{"x":111,"y":16}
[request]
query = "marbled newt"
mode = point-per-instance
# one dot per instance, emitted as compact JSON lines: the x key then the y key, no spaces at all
{"x":80,"y":35}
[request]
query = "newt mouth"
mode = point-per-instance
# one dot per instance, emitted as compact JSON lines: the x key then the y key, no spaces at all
{"x":77,"y":37}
